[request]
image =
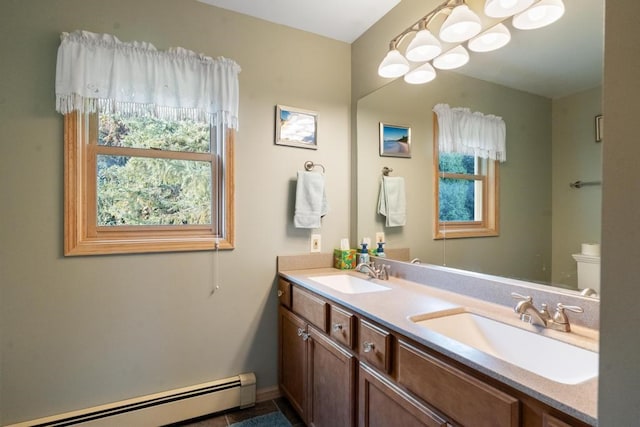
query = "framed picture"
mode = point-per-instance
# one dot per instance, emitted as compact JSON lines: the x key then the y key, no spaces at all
{"x":296,"y":127}
{"x":599,"y":127}
{"x":395,"y":140}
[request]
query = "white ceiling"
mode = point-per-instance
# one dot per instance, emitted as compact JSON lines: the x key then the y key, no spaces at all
{"x":343,"y":20}
{"x":555,"y":61}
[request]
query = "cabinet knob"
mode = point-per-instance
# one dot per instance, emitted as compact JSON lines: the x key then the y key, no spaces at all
{"x":368,"y":347}
{"x":302,"y":333}
{"x":280,"y":293}
{"x":337,"y":327}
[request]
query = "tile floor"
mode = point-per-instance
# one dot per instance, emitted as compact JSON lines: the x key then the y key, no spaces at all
{"x":226,"y":418}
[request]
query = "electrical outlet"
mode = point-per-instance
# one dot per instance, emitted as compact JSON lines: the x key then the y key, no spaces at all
{"x":379,"y":237}
{"x":316,"y":243}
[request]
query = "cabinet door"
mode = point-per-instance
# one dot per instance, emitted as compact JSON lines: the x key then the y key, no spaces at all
{"x":383,"y":404}
{"x":292,"y":359}
{"x":331,"y":383}
{"x":460,"y":396}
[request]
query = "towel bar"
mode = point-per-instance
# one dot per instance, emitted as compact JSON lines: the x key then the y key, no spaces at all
{"x":580,"y":184}
{"x":309,"y":165}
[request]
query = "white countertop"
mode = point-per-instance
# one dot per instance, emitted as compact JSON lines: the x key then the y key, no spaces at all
{"x":393,"y":308}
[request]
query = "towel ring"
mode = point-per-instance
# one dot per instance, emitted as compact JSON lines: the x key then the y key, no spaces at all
{"x":309,"y":165}
{"x":386,"y":171}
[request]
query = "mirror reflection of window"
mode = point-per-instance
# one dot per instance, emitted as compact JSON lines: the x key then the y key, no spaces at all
{"x":466,"y":194}
{"x":461,"y":188}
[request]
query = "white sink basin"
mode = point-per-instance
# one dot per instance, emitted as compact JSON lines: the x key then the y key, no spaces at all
{"x":547,"y":357}
{"x":348,"y":284}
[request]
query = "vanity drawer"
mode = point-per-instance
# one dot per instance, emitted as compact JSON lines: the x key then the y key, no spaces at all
{"x":341,"y":326}
{"x":464,"y":398}
{"x":375,"y":346}
{"x":284,"y":292}
{"x":310,"y":307}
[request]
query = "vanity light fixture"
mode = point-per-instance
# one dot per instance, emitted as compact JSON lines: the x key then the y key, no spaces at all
{"x":539,"y":15}
{"x":425,"y":51}
{"x":423,"y":74}
{"x":505,"y":8}
{"x":492,"y":39}
{"x":461,"y":25}
{"x":450,"y":60}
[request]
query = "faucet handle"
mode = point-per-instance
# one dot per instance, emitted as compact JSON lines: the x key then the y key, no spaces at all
{"x":573,"y":308}
{"x":516,"y":295}
{"x":560,"y":316}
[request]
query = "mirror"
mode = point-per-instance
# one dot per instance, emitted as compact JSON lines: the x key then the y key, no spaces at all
{"x":550,"y":118}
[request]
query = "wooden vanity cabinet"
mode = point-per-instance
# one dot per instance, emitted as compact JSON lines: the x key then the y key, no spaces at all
{"x":462,"y":397}
{"x":384,"y":404}
{"x":333,"y":364}
{"x":293,"y":359}
{"x":375,"y":346}
{"x":316,"y":374}
{"x":331,"y":382}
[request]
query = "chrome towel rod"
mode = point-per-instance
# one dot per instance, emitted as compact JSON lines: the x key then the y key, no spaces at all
{"x":309,"y":165}
{"x":386,"y":171}
{"x":580,"y":184}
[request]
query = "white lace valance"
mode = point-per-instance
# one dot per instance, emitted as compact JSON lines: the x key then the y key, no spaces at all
{"x":472,"y":133}
{"x":98,"y":72}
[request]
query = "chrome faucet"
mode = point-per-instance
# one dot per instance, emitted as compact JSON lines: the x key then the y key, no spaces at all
{"x":588,"y":292}
{"x":371,"y":271}
{"x":530,"y":314}
{"x":383,"y":272}
{"x":380,"y":271}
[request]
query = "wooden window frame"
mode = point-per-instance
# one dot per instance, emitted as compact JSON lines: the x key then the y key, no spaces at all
{"x":489,"y":226}
{"x":82,"y":235}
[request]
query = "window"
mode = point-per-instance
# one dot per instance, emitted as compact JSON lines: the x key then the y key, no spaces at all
{"x":149,"y":139}
{"x":466,"y":194}
{"x":143,"y":184}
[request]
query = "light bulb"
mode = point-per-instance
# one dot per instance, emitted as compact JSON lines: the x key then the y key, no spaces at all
{"x":505,"y":8}
{"x":492,"y":39}
{"x":393,"y":65}
{"x":423,"y":74}
{"x":507,"y":4}
{"x":541,"y":14}
{"x":423,"y":47}
{"x":461,"y":25}
{"x":452,"y":59}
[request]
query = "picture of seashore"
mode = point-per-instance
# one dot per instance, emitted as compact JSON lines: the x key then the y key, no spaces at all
{"x":395,"y":141}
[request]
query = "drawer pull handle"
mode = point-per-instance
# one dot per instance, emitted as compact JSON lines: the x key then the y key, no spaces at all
{"x":368,"y":346}
{"x":303,"y":334}
{"x":337,"y":327}
{"x":280,"y":293}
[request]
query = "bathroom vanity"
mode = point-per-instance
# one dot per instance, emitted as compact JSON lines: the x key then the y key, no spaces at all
{"x":360,"y":351}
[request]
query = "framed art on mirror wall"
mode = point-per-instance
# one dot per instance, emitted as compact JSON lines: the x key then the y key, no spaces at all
{"x":395,"y":140}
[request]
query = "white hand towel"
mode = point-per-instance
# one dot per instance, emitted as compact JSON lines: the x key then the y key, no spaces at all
{"x":311,"y":200}
{"x":392,"y":201}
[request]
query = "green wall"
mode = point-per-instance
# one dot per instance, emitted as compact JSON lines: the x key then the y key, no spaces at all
{"x":84,"y":331}
{"x":577,"y":213}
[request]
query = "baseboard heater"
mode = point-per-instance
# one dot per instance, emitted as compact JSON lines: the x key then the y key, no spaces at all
{"x":161,"y":408}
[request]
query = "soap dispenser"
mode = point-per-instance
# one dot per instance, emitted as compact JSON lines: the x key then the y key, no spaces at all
{"x":363,"y":256}
{"x":380,"y":251}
